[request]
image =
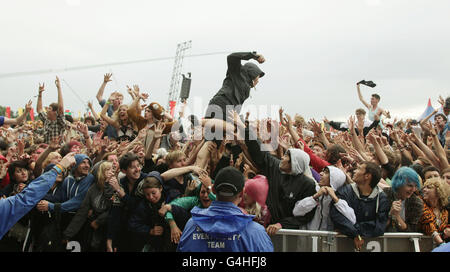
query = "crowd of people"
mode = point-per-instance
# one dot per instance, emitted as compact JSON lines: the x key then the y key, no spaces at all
{"x":134,"y":178}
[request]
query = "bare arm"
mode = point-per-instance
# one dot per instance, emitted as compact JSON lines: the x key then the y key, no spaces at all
{"x":93,"y":111}
{"x":440,"y":152}
{"x":106,"y":79}
{"x":425,"y":121}
{"x":60,"y":97}
{"x":361,"y":97}
{"x":39,"y":101}
{"x":105,"y":117}
{"x":19,"y":120}
{"x":378,"y":150}
{"x":425,"y":149}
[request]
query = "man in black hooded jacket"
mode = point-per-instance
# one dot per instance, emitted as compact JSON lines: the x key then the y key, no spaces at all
{"x":235,"y":90}
{"x":236,"y":85}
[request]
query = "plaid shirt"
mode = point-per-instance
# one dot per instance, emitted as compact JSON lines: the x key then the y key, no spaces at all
{"x":53,"y":128}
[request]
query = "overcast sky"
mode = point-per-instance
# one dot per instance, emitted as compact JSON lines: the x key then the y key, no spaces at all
{"x":315,"y":50}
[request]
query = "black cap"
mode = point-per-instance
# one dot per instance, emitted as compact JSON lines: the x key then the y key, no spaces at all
{"x":229,"y":182}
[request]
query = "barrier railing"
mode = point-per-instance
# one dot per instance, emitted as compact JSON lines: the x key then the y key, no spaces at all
{"x":288,"y":240}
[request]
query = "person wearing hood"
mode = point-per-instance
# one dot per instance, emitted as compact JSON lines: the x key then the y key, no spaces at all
{"x":223,"y":227}
{"x":129,"y":195}
{"x":72,"y":191}
{"x":331,"y":180}
{"x":15,"y":207}
{"x":94,"y":209}
{"x":235,"y":90}
{"x":369,"y":203}
{"x":148,"y":229}
{"x":290,"y":180}
{"x":254,"y":199}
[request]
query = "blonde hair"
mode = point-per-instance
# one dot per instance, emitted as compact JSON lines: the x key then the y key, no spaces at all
{"x":255,"y":209}
{"x":173,"y":156}
{"x":101,"y":177}
{"x":299,"y":120}
{"x":442,"y":189}
{"x":49,"y":158}
{"x":116,"y":118}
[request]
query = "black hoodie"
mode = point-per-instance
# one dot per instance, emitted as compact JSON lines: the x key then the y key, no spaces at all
{"x":239,"y":79}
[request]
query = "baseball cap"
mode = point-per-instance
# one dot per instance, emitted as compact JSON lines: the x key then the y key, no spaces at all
{"x":229,"y":182}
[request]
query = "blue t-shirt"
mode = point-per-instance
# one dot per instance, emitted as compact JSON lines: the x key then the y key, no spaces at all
{"x":2,"y":120}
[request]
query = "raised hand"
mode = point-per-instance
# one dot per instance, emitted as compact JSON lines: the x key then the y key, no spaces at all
{"x":160,"y":126}
{"x":41,"y":88}
{"x":28,"y":106}
{"x":261,"y":58}
{"x":57,"y":83}
{"x":107,"y":77}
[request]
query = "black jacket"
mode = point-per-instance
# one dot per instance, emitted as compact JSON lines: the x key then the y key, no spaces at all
{"x":239,"y":79}
{"x":284,"y":189}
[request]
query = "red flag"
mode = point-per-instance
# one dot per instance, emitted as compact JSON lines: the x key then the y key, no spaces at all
{"x":32,"y":114}
{"x":8,"y":112}
{"x":172,"y":107}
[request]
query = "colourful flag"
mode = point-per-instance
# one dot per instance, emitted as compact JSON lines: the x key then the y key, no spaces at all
{"x":20,"y":111}
{"x":8,"y":112}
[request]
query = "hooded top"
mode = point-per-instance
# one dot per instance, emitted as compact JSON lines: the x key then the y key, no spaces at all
{"x":321,"y":220}
{"x":223,"y":227}
{"x":239,"y":79}
{"x":300,"y":162}
{"x":284,"y":189}
{"x":371,"y":212}
{"x":257,"y":189}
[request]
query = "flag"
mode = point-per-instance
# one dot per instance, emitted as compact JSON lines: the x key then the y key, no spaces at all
{"x":32,"y":114}
{"x":172,"y":105}
{"x":20,"y":111}
{"x":8,"y":112}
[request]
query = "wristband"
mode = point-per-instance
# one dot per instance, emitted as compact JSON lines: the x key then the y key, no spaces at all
{"x":108,"y":102}
{"x":58,"y":168}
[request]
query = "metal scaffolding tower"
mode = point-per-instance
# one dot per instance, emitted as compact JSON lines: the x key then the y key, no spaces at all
{"x":174,"y":92}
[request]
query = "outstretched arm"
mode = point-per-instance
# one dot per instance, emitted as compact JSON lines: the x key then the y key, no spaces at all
{"x":39,"y":102}
{"x":60,"y":97}
{"x":106,"y":79}
{"x":361,"y":97}
{"x":19,"y":120}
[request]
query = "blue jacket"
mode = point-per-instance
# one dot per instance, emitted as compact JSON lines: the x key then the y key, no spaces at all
{"x":371,"y":212}
{"x":223,"y":227}
{"x":15,"y":207}
{"x":72,"y":192}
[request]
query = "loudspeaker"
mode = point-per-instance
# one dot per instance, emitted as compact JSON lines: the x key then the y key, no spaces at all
{"x":185,"y":87}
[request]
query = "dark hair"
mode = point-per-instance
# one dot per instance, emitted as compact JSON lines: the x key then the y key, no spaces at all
{"x":69,"y":118}
{"x":441,"y":115}
{"x":89,"y":118}
{"x":376,"y":96}
{"x":54,"y":106}
{"x":65,"y":149}
{"x":3,"y":145}
{"x":333,"y":155}
{"x":430,"y":169}
{"x":126,"y":160}
{"x":375,"y":171}
{"x":419,"y":170}
{"x":151,"y":182}
{"x":17,"y":164}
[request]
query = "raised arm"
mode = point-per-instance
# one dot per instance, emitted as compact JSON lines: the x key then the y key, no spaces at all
{"x":19,"y":120}
{"x":234,"y":60}
{"x":39,"y":101}
{"x":93,"y":111}
{"x":105,"y":117}
{"x":425,"y":121}
{"x":106,"y":79}
{"x":361,"y":98}
{"x":60,"y":97}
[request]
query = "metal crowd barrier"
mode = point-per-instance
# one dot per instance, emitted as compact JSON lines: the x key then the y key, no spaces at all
{"x":289,"y":240}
